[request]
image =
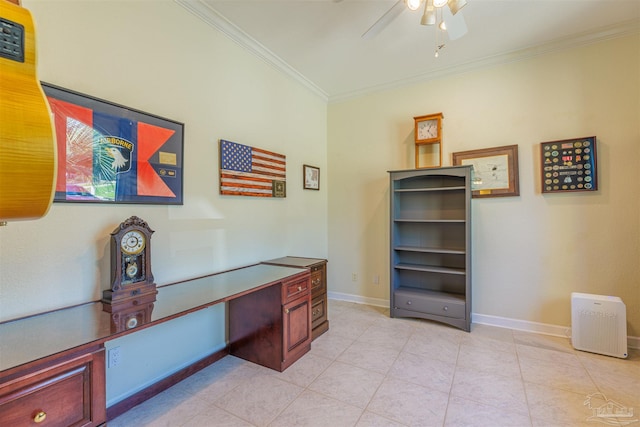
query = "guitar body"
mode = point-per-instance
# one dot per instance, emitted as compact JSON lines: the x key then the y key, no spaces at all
{"x":28,"y":152}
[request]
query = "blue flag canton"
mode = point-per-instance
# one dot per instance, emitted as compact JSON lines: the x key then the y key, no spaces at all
{"x":235,"y":156}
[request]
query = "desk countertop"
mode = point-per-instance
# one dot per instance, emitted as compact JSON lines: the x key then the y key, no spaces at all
{"x":35,"y":337}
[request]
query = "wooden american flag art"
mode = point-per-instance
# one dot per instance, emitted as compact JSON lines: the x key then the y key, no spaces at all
{"x":250,"y":171}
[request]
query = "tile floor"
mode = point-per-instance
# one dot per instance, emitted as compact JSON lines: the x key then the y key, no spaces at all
{"x":371,"y":370}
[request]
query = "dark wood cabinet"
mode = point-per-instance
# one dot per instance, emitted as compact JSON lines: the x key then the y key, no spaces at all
{"x":272,"y":326}
{"x":318,"y":269}
{"x":62,"y":390}
{"x":296,"y":335}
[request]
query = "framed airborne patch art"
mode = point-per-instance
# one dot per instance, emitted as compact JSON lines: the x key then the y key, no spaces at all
{"x":109,"y":153}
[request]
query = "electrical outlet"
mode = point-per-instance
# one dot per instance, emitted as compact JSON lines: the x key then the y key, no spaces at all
{"x":376,"y":279}
{"x":114,"y":357}
{"x":354,"y":277}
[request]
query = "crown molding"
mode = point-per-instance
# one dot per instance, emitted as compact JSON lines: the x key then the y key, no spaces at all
{"x":216,"y":20}
{"x":602,"y":34}
{"x":226,"y":27}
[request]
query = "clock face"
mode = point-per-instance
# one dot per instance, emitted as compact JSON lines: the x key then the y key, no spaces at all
{"x":132,"y":242}
{"x":428,"y":129}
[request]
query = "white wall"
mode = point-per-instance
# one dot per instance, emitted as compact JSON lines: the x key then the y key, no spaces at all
{"x":529,"y":252}
{"x":157,"y":57}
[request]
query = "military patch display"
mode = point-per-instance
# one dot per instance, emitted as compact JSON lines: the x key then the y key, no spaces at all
{"x":109,"y":153}
{"x":569,"y":165}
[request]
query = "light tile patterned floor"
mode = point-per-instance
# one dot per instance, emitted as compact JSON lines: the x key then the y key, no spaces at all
{"x":371,"y":370}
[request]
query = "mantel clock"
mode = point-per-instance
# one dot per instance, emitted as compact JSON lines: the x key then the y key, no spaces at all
{"x":131,"y":275}
{"x":428,"y":134}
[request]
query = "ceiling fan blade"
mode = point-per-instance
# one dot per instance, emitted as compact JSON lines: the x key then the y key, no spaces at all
{"x":456,"y":25}
{"x":384,"y":20}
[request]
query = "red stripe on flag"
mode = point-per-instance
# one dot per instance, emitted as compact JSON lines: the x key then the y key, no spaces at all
{"x":245,"y":178}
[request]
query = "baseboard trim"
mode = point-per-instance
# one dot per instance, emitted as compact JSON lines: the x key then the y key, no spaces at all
{"x":486,"y":319}
{"x":521,"y":325}
{"x":135,"y":399}
{"x":377,"y":302}
{"x":540,"y":328}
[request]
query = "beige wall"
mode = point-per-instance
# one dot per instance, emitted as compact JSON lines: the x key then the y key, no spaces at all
{"x":157,"y":57}
{"x":529,"y":252}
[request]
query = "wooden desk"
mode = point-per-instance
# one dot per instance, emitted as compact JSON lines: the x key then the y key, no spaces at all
{"x":318,"y":269}
{"x":64,"y":349}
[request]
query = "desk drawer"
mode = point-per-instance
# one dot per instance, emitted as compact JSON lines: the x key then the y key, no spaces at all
{"x":318,"y":312}
{"x":317,"y":267}
{"x":317,"y":283}
{"x":57,"y":396}
{"x":293,"y":290}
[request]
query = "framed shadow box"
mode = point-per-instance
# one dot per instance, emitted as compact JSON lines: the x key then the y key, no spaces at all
{"x":569,"y":165}
{"x":109,"y":153}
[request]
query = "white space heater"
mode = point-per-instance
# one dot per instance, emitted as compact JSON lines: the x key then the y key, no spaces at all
{"x":599,"y":324}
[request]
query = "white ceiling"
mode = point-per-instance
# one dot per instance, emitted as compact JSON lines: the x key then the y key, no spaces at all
{"x":319,"y":42}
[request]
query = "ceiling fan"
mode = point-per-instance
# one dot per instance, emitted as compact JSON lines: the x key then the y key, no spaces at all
{"x":447,"y":18}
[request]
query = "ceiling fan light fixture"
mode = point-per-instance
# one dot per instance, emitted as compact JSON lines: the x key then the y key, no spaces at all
{"x":413,"y":4}
{"x":439,"y":3}
{"x":442,"y":26}
{"x":429,"y":18}
{"x":456,"y":5}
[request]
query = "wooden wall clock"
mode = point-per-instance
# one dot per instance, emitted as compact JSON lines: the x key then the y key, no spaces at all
{"x":131,"y":275}
{"x":428,"y":135}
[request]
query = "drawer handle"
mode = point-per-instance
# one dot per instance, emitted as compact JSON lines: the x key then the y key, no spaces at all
{"x":446,"y":308}
{"x":286,"y":310}
{"x":299,"y":288}
{"x":39,"y":417}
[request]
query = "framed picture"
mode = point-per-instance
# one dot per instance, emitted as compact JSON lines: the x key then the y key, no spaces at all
{"x":108,"y":153}
{"x":251,"y":171}
{"x":569,"y":165}
{"x":311,"y":177}
{"x":495,"y":170}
